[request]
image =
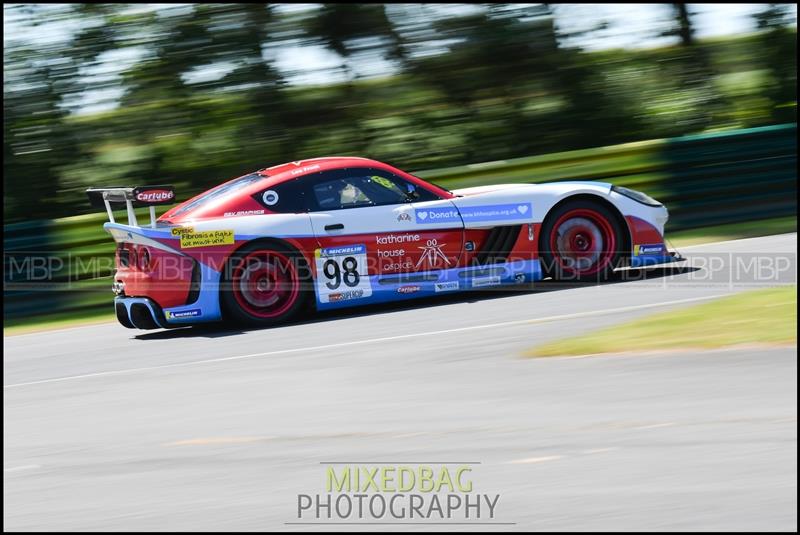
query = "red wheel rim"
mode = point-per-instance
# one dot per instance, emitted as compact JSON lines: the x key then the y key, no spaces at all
{"x":265,"y":283}
{"x":583,"y":242}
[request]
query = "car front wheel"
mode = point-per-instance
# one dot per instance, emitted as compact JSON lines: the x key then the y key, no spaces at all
{"x":581,"y":241}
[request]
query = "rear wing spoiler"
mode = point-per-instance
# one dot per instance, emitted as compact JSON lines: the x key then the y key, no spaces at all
{"x":150,"y":196}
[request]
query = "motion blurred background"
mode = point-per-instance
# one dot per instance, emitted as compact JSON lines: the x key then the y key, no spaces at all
{"x":194,"y":94}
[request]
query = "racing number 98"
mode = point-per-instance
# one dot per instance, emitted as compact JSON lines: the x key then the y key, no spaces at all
{"x":347,"y":273}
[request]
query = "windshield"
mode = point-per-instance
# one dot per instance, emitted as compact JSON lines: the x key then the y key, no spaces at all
{"x":218,"y":193}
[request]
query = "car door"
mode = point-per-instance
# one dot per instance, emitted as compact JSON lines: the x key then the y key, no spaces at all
{"x":372,"y":224}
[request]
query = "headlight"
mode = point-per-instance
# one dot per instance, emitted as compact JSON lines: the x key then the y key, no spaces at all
{"x":637,"y":196}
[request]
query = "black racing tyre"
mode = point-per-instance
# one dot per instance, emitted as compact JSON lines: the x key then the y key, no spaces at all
{"x":581,"y":241}
{"x":264,"y":283}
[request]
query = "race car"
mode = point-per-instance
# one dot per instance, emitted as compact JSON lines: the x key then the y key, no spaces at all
{"x":336,"y":232}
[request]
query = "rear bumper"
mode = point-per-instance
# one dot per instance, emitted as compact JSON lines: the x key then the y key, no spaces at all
{"x":145,"y":313}
{"x":139,"y":313}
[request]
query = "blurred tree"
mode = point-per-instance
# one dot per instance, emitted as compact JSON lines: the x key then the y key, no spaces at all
{"x":501,"y":54}
{"x":351,"y":30}
{"x":193,"y":92}
{"x":695,"y":73}
{"x":174,"y":44}
{"x":594,"y":112}
{"x":684,"y":28}
{"x":36,"y":139}
{"x":239,"y":33}
{"x":779,"y":45}
{"x":348,"y":29}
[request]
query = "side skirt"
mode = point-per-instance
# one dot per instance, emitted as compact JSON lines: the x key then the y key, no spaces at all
{"x":386,"y":288}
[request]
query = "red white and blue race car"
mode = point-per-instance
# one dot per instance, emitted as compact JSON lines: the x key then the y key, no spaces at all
{"x":344,"y":231}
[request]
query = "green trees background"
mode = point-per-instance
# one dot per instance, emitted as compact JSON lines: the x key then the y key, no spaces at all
{"x":202,"y":99}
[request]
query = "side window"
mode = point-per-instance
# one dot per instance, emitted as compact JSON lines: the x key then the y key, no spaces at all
{"x":355,"y":188}
{"x":356,"y":191}
{"x":285,"y":198}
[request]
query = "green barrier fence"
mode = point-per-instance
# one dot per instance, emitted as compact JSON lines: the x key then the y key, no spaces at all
{"x":65,"y":265}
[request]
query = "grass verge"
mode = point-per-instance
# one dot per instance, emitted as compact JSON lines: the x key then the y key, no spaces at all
{"x":60,"y":320}
{"x":732,"y":231}
{"x":767,"y":316}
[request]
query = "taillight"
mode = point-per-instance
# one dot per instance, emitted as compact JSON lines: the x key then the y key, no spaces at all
{"x":144,"y":259}
{"x":124,"y":255}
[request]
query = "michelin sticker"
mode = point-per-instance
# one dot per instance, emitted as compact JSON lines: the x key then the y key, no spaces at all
{"x":206,"y":238}
{"x":342,"y":273}
{"x":657,"y":248}
{"x":183,"y":314}
{"x":470,"y":214}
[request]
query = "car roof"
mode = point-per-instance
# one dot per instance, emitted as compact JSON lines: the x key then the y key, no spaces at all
{"x":277,"y":174}
{"x":287,"y":171}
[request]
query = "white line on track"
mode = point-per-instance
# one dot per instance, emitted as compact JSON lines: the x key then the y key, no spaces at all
{"x":695,"y":246}
{"x":599,"y":450}
{"x":113,"y":322}
{"x":537,"y":459}
{"x":530,"y":321}
{"x":21,"y":468}
{"x":655,"y":426}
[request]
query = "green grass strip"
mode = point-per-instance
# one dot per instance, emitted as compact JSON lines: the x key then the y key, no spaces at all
{"x":766,"y":316}
{"x":732,"y":231}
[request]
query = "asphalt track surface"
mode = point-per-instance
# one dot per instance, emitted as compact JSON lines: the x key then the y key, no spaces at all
{"x":208,"y":429}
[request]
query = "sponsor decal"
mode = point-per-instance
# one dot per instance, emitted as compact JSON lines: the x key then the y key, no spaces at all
{"x":491,"y":212}
{"x":155,"y":195}
{"x":657,"y":248}
{"x":519,"y":278}
{"x":390,"y":239}
{"x":304,"y":169}
{"x":469,"y":246}
{"x":446,"y":286}
{"x":405,"y":265}
{"x":346,"y":295}
{"x":391,"y":254}
{"x":495,"y":212}
{"x":478,"y":282}
{"x":184,"y":314}
{"x":243,"y":212}
{"x":405,"y":216}
{"x":179,"y":231}
{"x":432,"y":254}
{"x":408,"y":289}
{"x":437,"y":215}
{"x":342,"y":273}
{"x":340,"y":251}
{"x":270,"y":197}
{"x":206,"y":238}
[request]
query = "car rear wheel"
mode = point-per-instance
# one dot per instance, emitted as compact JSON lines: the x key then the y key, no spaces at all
{"x":264,"y":284}
{"x":581,"y":241}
